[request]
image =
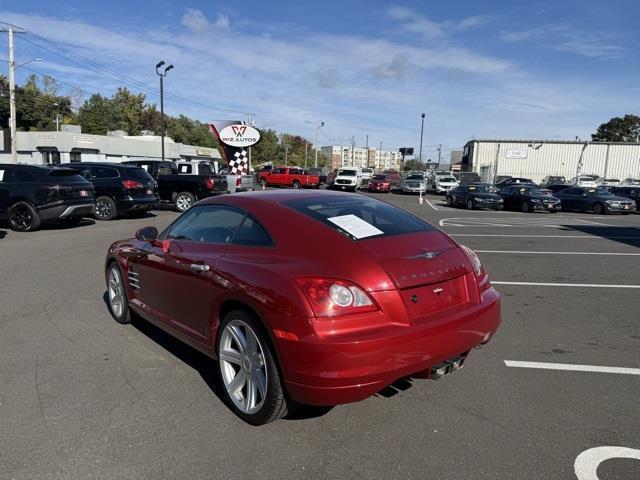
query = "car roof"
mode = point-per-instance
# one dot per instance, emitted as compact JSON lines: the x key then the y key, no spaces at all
{"x":277,"y":196}
{"x":98,"y":164}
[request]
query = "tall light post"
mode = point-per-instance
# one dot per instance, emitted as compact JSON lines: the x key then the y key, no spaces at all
{"x":318,"y":127}
{"x":162,"y":74}
{"x":421,"y":135}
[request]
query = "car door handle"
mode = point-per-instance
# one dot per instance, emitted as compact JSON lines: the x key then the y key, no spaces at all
{"x":199,"y":267}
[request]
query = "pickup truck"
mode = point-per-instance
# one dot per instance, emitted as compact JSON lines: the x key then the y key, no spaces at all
{"x":288,"y":177}
{"x":242,"y":183}
{"x":182,"y":189}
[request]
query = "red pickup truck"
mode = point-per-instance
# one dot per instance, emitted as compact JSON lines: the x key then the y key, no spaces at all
{"x":288,"y":177}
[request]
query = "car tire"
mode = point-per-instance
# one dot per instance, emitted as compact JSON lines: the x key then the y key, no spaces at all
{"x":23,"y":217}
{"x":251,"y":380}
{"x":296,"y":185}
{"x":469,"y":204}
{"x":106,"y":208}
{"x":599,"y":209}
{"x":525,"y":207}
{"x":117,"y":295}
{"x":184,"y":201}
{"x":264,"y":183}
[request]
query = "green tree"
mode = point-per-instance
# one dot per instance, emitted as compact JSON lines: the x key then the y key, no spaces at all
{"x":625,"y":129}
{"x":266,"y":150}
{"x":96,"y":115}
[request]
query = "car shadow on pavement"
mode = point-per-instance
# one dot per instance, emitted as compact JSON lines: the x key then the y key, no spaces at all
{"x":3,"y":233}
{"x":622,"y":234}
{"x":204,"y":365}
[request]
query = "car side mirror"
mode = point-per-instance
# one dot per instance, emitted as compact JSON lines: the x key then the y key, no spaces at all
{"x":147,"y":234}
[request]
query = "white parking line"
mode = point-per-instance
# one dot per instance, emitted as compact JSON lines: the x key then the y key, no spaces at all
{"x":582,"y":285}
{"x":431,"y":204}
{"x":572,"y":367}
{"x":524,"y":252}
{"x":589,"y":237}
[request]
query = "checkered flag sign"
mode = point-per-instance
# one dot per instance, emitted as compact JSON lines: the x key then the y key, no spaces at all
{"x":239,"y":164}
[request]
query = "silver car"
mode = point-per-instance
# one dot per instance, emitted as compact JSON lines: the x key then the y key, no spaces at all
{"x":414,"y":183}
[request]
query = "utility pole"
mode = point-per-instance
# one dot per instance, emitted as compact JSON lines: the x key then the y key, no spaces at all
{"x":367,"y":147}
{"x":286,"y":154}
{"x":306,"y":148}
{"x":353,"y":151}
{"x":439,"y":153}
{"x":380,"y":160}
{"x":12,"y":97}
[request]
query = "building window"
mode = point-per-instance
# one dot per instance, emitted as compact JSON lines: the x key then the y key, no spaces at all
{"x":75,"y":156}
{"x":50,"y":157}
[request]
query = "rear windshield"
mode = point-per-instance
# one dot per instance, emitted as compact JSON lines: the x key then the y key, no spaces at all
{"x":360,"y":217}
{"x":139,"y":174}
{"x":479,"y":188}
{"x":446,"y":179}
{"x":380,"y":177}
{"x":415,"y":177}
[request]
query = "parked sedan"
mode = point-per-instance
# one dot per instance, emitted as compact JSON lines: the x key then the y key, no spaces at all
{"x":385,"y":295}
{"x":553,"y":180}
{"x":514,"y":181}
{"x":596,"y":200}
{"x":528,"y":199}
{"x":474,"y":196}
{"x":379,"y":183}
{"x":414,"y":183}
{"x":632,"y":193}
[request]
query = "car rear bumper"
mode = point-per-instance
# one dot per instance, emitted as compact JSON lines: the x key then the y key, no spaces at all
{"x":67,"y":210}
{"x":413,"y":189}
{"x":141,"y":203}
{"x":378,"y":188}
{"x":319,"y":371}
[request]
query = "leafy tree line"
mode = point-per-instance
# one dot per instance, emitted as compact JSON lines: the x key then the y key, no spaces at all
{"x":619,"y":129}
{"x":38,"y":103}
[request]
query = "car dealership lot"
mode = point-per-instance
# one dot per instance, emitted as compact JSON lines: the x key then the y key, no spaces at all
{"x":84,"y":397}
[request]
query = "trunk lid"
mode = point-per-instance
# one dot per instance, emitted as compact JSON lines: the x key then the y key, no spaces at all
{"x":416,"y":259}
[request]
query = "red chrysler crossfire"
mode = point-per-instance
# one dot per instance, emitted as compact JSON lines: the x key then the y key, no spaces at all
{"x":306,"y":297}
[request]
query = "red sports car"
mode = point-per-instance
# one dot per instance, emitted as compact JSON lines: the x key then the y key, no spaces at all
{"x":316,"y":298}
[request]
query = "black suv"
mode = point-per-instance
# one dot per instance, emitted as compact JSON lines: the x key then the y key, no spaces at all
{"x":31,"y":195}
{"x":119,"y":188}
{"x":528,"y":199}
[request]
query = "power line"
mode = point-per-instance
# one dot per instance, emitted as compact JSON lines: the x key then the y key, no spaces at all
{"x":106,"y":72}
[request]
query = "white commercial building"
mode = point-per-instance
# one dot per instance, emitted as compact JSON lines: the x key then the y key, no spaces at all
{"x":42,"y":148}
{"x":536,"y":159}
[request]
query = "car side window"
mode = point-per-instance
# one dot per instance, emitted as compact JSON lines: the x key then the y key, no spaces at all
{"x":207,"y":224}
{"x":185,"y":169}
{"x":277,"y":170}
{"x":251,"y":233}
{"x":104,"y":173}
{"x":295,"y":171}
{"x":22,"y":176}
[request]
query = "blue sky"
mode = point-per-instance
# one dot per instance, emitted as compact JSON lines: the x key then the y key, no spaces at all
{"x":491,"y":69}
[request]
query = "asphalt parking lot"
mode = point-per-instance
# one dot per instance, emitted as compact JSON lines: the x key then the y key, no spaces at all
{"x":84,"y":397}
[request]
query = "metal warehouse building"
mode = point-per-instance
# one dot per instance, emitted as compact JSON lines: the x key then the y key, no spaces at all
{"x":536,"y":159}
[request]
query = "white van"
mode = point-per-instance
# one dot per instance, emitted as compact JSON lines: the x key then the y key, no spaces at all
{"x":347,"y":178}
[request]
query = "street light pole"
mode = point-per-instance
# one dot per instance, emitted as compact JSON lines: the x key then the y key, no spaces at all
{"x":162,"y":123}
{"x":12,"y":98}
{"x":318,"y":127}
{"x":421,"y":135}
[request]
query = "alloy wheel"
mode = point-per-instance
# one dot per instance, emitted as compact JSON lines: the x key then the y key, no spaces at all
{"x":242,"y":365}
{"x":21,"y":217}
{"x":116,"y":292}
{"x":183,"y":202}
{"x":103,"y":208}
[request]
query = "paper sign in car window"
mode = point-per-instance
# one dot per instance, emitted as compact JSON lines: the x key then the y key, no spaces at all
{"x":472,"y":188}
{"x":145,"y":167}
{"x":1,"y":175}
{"x":355,"y":226}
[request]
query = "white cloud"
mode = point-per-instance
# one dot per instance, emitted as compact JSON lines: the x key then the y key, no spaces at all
{"x":194,"y":20}
{"x":222,"y":22}
{"x":398,"y":67}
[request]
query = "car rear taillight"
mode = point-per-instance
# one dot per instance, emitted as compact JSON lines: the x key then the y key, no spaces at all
{"x":330,"y":297}
{"x":131,"y":184}
{"x":238,"y":182}
{"x":208,"y":183}
{"x":478,"y":269}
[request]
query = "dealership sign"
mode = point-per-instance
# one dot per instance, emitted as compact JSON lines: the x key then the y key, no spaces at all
{"x":239,"y":135}
{"x":518,"y":153}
